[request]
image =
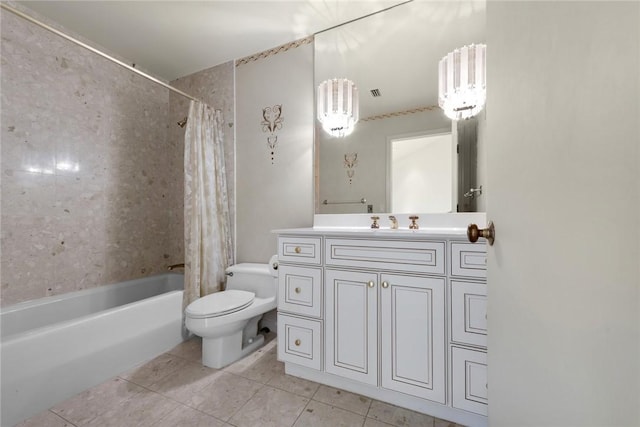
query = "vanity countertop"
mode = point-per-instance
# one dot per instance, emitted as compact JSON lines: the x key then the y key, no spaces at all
{"x":382,"y":233}
{"x":440,"y":226}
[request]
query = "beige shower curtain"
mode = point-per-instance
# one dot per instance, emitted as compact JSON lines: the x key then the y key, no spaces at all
{"x":207,"y":237}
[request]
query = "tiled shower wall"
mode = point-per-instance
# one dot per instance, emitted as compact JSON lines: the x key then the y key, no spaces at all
{"x":91,"y":184}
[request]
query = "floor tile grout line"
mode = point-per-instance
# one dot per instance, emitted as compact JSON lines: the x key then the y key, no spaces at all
{"x":247,"y":401}
{"x":60,"y":416}
{"x":182,"y":403}
{"x":301,"y":412}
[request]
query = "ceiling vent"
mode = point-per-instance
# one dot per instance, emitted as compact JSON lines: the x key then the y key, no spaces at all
{"x":375,"y":93}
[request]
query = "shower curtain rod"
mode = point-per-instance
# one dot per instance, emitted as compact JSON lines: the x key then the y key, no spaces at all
{"x":96,"y":51}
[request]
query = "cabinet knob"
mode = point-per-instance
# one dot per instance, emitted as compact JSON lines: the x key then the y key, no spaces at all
{"x":297,"y":342}
{"x":489,"y":233}
{"x":298,"y":290}
{"x":371,"y":284}
{"x":385,"y":284}
{"x":298,"y":249}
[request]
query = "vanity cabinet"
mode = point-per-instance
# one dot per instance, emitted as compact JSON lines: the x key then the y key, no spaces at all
{"x":399,"y":317}
{"x":300,"y":301}
{"x":468,"y":330}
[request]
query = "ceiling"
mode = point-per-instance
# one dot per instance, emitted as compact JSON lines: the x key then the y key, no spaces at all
{"x":171,"y":39}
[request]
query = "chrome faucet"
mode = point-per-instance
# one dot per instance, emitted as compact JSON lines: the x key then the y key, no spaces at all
{"x":394,"y":222}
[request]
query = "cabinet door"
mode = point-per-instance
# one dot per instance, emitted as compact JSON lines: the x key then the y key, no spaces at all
{"x":413,"y":335}
{"x":351,"y":319}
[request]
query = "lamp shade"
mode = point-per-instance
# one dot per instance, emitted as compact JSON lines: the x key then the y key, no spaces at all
{"x":337,"y":106}
{"x":462,"y":81}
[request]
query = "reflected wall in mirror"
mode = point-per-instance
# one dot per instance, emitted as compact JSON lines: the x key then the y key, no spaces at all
{"x":392,"y":57}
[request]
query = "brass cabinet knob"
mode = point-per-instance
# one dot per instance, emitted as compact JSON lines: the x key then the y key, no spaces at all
{"x":489,"y":233}
{"x":371,"y":284}
{"x":385,"y":284}
{"x":297,"y":342}
{"x":298,"y":249}
{"x":298,"y":290}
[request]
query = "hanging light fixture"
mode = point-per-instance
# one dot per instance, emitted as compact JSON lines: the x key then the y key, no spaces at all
{"x":338,"y":106}
{"x":462,"y":81}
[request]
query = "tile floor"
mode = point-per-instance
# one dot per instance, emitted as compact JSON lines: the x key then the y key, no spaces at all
{"x":174,"y":389}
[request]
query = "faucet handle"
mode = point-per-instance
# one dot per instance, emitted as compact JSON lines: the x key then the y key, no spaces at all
{"x":375,"y":222}
{"x":414,"y":224}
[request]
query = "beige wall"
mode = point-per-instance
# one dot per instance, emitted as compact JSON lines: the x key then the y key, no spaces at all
{"x":563,"y":143}
{"x":111,"y":219}
{"x":279,"y":193}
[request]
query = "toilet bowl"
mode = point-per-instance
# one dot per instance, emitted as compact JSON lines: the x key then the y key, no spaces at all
{"x":228,"y":320}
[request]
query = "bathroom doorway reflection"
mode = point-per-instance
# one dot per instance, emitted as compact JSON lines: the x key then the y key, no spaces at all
{"x":421,"y":169}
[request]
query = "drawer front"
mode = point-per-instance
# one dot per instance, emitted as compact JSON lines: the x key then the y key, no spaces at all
{"x":300,"y":290}
{"x":469,"y":382}
{"x":469,"y":260}
{"x":469,"y":313}
{"x":406,"y":256}
{"x":299,"y":341}
{"x":304,"y":250}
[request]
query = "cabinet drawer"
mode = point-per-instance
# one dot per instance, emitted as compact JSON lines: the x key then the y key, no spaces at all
{"x":299,"y":341}
{"x":407,"y":256}
{"x":304,"y":250}
{"x":469,"y":382}
{"x":469,"y":260}
{"x":469,"y":313}
{"x":300,"y":290}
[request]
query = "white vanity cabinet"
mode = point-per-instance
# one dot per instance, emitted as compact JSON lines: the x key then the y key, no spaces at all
{"x":468,"y":327}
{"x":300,"y":301}
{"x":405,"y":312}
{"x":388,"y":315}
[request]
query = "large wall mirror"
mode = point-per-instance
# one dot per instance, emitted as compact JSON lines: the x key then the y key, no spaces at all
{"x":403,"y":155}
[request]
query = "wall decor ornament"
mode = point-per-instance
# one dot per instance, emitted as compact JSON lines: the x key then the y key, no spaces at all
{"x":350,"y":162}
{"x":272,"y":122}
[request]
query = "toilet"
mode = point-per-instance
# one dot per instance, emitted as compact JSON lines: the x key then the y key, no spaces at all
{"x":228,"y":320}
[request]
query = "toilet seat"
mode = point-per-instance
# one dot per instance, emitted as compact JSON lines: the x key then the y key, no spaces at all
{"x":219,"y":304}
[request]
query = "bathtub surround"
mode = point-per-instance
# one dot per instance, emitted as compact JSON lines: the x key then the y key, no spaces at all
{"x":89,"y":185}
{"x":55,"y":347}
{"x":208,"y":245}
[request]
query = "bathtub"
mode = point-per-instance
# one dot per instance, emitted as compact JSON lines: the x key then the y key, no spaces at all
{"x":55,"y":347}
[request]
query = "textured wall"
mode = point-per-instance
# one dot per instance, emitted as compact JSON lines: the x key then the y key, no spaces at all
{"x":90,"y":185}
{"x":274,"y":193}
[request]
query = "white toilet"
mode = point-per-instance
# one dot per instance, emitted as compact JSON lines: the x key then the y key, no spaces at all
{"x":227,"y":321}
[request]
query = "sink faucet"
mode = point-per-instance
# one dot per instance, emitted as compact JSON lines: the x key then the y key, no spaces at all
{"x":394,"y":222}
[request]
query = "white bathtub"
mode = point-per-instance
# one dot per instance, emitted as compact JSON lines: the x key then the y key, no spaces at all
{"x":56,"y":347}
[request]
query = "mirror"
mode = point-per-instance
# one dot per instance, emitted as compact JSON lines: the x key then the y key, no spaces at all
{"x":392,"y":57}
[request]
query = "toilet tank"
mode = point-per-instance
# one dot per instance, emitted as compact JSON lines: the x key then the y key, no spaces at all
{"x":253,"y":277}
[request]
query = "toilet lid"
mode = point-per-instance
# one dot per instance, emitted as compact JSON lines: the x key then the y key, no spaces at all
{"x":219,"y":303}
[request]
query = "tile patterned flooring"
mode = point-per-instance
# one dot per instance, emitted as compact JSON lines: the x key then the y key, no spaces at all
{"x":174,"y":389}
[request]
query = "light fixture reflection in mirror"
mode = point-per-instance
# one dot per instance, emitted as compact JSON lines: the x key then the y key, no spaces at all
{"x":396,"y":56}
{"x":462,"y":81}
{"x":338,"y":106}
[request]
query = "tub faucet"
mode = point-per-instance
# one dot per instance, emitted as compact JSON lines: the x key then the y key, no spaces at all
{"x":394,"y":222}
{"x":174,"y":266}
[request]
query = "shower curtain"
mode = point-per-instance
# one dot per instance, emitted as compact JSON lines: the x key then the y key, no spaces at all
{"x":207,"y":238}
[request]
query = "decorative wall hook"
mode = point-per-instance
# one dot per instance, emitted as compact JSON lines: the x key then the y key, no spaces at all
{"x":272,"y":122}
{"x":350,"y":162}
